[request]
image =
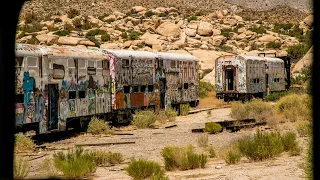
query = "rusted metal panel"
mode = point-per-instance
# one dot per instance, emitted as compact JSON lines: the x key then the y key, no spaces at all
{"x":137,"y":99}
{"x":120,"y":100}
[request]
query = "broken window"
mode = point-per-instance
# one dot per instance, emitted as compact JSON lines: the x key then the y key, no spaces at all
{"x":72,"y":94}
{"x":82,"y":70}
{"x":150,"y":88}
{"x":126,"y":89}
{"x":185,"y":85}
{"x":142,"y":88}
{"x":173,"y":64}
{"x":125,"y":63}
{"x":19,"y":98}
{"x":82,"y":94}
{"x":99,"y":68}
{"x":135,"y":88}
{"x":91,"y":68}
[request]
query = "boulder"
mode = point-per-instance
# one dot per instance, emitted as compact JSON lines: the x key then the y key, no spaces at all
{"x":109,"y":46}
{"x":68,"y":40}
{"x":191,"y":32}
{"x":309,"y":20}
{"x":137,"y":9}
{"x":217,"y":40}
{"x":42,"y":37}
{"x":87,"y":43}
{"x":168,"y":29}
{"x":205,"y":29}
{"x":267,"y":38}
{"x":216,"y":32}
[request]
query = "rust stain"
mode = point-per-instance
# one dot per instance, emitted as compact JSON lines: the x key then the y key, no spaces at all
{"x":137,"y":99}
{"x":120,"y":100}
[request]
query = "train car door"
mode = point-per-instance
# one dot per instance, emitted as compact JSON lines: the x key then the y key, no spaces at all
{"x":229,"y":79}
{"x":162,"y":86}
{"x":53,"y":96}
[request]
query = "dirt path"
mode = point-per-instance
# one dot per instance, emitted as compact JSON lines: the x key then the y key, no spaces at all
{"x":150,"y":142}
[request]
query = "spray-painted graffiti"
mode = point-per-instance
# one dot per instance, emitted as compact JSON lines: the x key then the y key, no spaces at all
{"x":28,"y":86}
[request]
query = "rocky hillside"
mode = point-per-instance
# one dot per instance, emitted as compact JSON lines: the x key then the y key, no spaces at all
{"x":204,"y":35}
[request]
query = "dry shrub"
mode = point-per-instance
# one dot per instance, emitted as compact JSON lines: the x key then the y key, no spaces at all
{"x":255,"y":109}
{"x":144,"y":119}
{"x":203,"y":140}
{"x":21,"y":168}
{"x":304,"y":128}
{"x":184,"y":109}
{"x":23,"y":143}
{"x":232,"y":156}
{"x":296,"y":107}
{"x":167,"y":115}
{"x":275,"y":120}
{"x":75,"y":164}
{"x":213,"y":127}
{"x":98,"y":126}
{"x":212,"y":152}
{"x":290,"y":144}
{"x":105,"y":158}
{"x":145,"y":169}
{"x":47,"y":168}
{"x":182,"y":158}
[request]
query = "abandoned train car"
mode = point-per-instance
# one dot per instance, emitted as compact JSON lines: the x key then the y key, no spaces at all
{"x":59,"y":88}
{"x":242,"y":77}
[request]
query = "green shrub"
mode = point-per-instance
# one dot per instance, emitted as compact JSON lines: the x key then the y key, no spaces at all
{"x":289,"y":142}
{"x":258,"y":29}
{"x":182,"y":158}
{"x":205,"y":72}
{"x":184,"y":109}
{"x":263,"y":145}
{"x":75,"y":164}
{"x":255,"y":109}
{"x":103,"y":16}
{"x":98,"y":126}
{"x":163,"y":15}
{"x":274,"y":45}
{"x":143,"y":119}
{"x":226,"y":32}
{"x":73,"y":13}
{"x":33,"y":27}
{"x":295,"y":107}
{"x":204,"y":88}
{"x":148,"y":14}
{"x":304,"y":128}
{"x":232,"y":156}
{"x":192,"y":18}
{"x":274,"y":96}
{"x":296,"y":52}
{"x":213,"y":127}
{"x":77,"y":23}
{"x":254,"y":47}
{"x":94,"y":40}
{"x":225,"y":48}
{"x":142,"y":169}
{"x":30,"y":17}
{"x":124,"y":35}
{"x":57,"y":20}
{"x":68,"y":26}
{"x":62,"y":33}
{"x":133,"y":35}
{"x":171,"y":114}
{"x":20,"y":168}
{"x":87,"y":24}
{"x":105,"y":158}
{"x":282,"y":28}
{"x":95,"y":32}
{"x":23,"y":143}
{"x":105,"y":37}
{"x":203,"y":140}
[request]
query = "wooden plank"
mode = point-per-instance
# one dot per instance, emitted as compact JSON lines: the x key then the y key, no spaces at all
{"x":108,"y":143}
{"x":122,"y":134}
{"x":198,"y":130}
{"x":170,"y":126}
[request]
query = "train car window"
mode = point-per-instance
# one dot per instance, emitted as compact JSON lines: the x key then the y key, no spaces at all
{"x":126,"y":89}
{"x":82,"y":70}
{"x":258,"y":80}
{"x":19,"y":98}
{"x":99,"y":68}
{"x":71,"y":63}
{"x":150,"y":88}
{"x":32,"y":61}
{"x":142,"y":88}
{"x":173,"y":64}
{"x":185,"y":85}
{"x":135,"y":88}
{"x":254,"y":80}
{"x":58,"y":71}
{"x":82,"y":94}
{"x":178,"y":64}
{"x":106,"y":65}
{"x":91,"y":68}
{"x":125,"y":63}
{"x":72,"y":94}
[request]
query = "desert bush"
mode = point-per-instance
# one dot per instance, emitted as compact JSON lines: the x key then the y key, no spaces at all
{"x":295,"y":107}
{"x":282,"y":28}
{"x":94,"y":40}
{"x":225,"y":48}
{"x":75,"y":164}
{"x":62,"y":33}
{"x":33,"y":27}
{"x":23,"y":143}
{"x":232,"y":156}
{"x":143,"y":169}
{"x":105,"y":37}
{"x":204,"y":88}
{"x":203,"y":140}
{"x":143,"y":119}
{"x":106,"y":158}
{"x":192,"y":18}
{"x":33,"y":40}
{"x":98,"y":126}
{"x":30,"y":17}
{"x":20,"y":168}
{"x":57,"y":20}
{"x":182,"y":158}
{"x":213,"y":127}
{"x":77,"y":23}
{"x":184,"y":109}
{"x":148,"y":14}
{"x":124,"y":35}
{"x":296,"y":52}
{"x":274,"y":45}
{"x":226,"y":32}
{"x":133,"y":35}
{"x":303,"y":128}
{"x":254,"y":46}
{"x":290,"y":144}
{"x":47,"y":168}
{"x":258,"y":29}
{"x":255,"y":109}
{"x":209,"y":113}
{"x":95,"y":32}
{"x":73,"y":13}
{"x":212,"y":152}
{"x":263,"y":145}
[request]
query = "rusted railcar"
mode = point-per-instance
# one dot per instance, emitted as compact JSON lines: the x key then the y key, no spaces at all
{"x":59,"y":88}
{"x":242,"y":77}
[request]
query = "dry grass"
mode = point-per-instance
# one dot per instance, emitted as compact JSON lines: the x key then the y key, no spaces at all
{"x":203,"y":140}
{"x":23,"y":143}
{"x":144,"y":119}
{"x":105,"y":158}
{"x":168,"y":115}
{"x":98,"y":126}
{"x":211,"y":101}
{"x":47,"y":168}
{"x":21,"y":168}
{"x":304,"y":128}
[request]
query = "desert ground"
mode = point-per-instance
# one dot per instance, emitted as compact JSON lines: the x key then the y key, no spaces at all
{"x":148,"y":144}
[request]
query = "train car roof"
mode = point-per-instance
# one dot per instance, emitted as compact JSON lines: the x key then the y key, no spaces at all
{"x":126,"y":54}
{"x":176,"y":56}
{"x":72,"y":52}
{"x":259,"y":58}
{"x":27,"y":50}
